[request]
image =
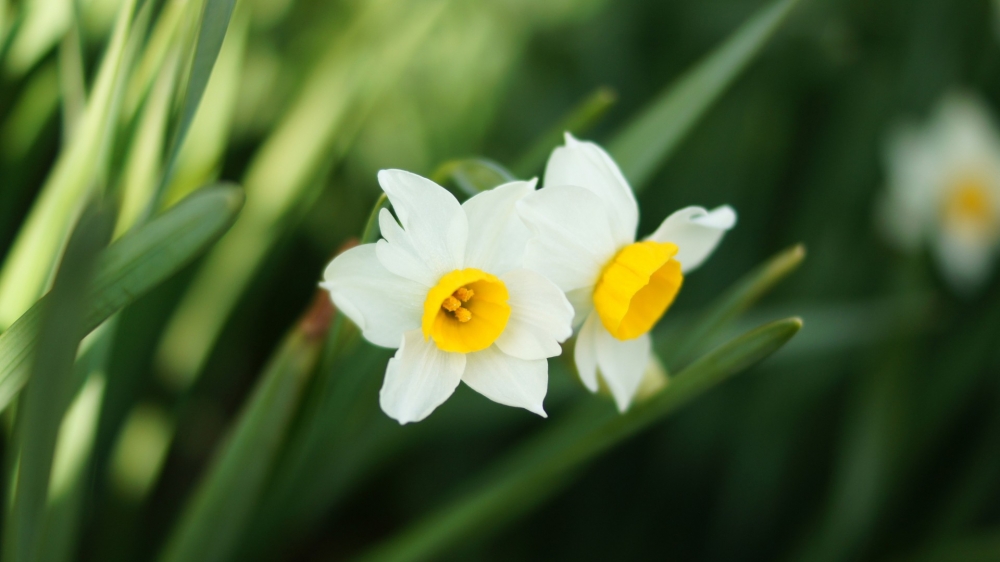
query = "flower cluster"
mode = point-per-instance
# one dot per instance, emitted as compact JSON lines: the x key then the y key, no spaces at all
{"x":944,"y":190}
{"x":486,"y":291}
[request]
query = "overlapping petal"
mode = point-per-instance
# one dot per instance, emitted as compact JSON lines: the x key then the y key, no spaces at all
{"x":571,"y":235}
{"x":586,"y":165}
{"x":622,"y":364}
{"x":434,"y":223}
{"x":508,"y":380}
{"x":497,"y":236}
{"x":585,"y":352}
{"x":419,"y":378}
{"x":696,"y":232}
{"x":382,"y":304}
{"x":539,"y":319}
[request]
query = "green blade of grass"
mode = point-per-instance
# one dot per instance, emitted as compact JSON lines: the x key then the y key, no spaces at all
{"x":27,"y":267}
{"x":70,"y":483}
{"x":211,"y":34}
{"x":211,"y":525}
{"x":62,"y":325}
{"x":653,"y":135}
{"x":528,"y":476}
{"x":675,"y":351}
{"x":318,"y":129}
{"x":128,"y":268}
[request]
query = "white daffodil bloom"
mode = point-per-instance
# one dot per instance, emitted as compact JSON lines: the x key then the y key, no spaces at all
{"x":448,"y":289}
{"x":944,"y":189}
{"x":583,"y":224}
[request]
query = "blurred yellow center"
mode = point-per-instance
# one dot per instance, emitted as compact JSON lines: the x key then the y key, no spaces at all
{"x":971,"y":204}
{"x":637,"y":287}
{"x":466,"y":311}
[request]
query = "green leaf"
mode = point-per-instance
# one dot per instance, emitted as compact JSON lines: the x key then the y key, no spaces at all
{"x":137,"y":262}
{"x":653,"y":135}
{"x":472,"y":175}
{"x":62,"y":324}
{"x":983,"y":547}
{"x":318,"y":129}
{"x":694,"y":337}
{"x":212,"y":522}
{"x":539,"y":467}
{"x":579,"y":120}
{"x":211,"y":33}
{"x":29,"y":263}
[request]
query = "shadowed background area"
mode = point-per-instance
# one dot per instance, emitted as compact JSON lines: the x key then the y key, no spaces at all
{"x":871,"y":436}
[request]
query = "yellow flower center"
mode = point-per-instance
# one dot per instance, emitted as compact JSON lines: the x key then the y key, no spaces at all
{"x":637,"y":287}
{"x":466,"y":311}
{"x":970,"y":204}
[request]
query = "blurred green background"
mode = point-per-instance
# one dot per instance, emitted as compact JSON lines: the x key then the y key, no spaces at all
{"x":872,"y":436}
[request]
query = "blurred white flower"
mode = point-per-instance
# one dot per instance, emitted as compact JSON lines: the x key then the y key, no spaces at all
{"x":944,"y":189}
{"x":447,"y":288}
{"x":583,"y":225}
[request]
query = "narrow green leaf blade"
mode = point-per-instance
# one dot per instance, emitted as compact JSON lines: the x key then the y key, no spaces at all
{"x":653,"y":135}
{"x":214,"y":23}
{"x":211,"y":524}
{"x":532,"y":473}
{"x":128,"y":268}
{"x":734,"y":302}
{"x":62,"y":326}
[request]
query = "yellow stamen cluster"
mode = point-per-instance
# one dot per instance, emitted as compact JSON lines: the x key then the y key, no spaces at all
{"x":460,"y":323}
{"x":453,"y":304}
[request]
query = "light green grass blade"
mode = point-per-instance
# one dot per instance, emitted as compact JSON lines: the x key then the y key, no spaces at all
{"x":70,"y":481}
{"x":62,"y":325}
{"x":695,"y":336}
{"x":540,"y":466}
{"x":211,"y":524}
{"x":653,"y":135}
{"x":201,"y":154}
{"x":27,"y":268}
{"x":42,"y":25}
{"x":340,"y":91}
{"x":211,"y":34}
{"x":131,"y":266}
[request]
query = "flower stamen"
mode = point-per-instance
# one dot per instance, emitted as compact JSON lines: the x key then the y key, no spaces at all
{"x":454,"y":302}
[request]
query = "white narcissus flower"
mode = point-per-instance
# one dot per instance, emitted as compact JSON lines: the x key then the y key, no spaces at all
{"x":944,"y":190}
{"x":583,"y":224}
{"x":448,"y":289}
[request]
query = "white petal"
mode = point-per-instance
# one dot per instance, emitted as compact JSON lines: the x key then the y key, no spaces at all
{"x":965,"y":262}
{"x":584,"y":164}
{"x":696,"y":232}
{"x":382,"y":304}
{"x":508,"y":380}
{"x":497,"y":237}
{"x":419,"y":378}
{"x":571,"y":238}
{"x":585,"y":352}
{"x":432,"y":219}
{"x":622,"y":364}
{"x":540,"y":316}
{"x":398,"y":255}
{"x":582,"y":300}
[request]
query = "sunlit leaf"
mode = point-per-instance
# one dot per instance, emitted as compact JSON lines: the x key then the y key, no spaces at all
{"x":29,"y":263}
{"x":62,"y":324}
{"x":128,"y":268}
